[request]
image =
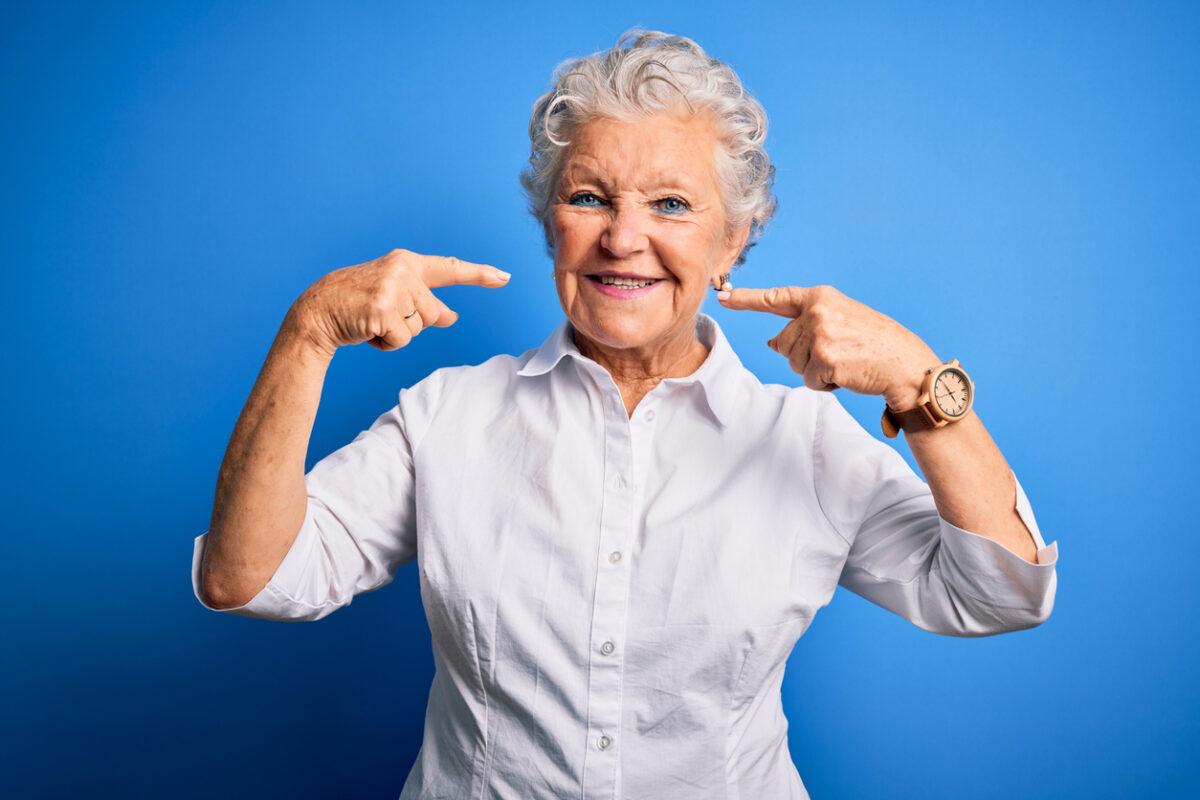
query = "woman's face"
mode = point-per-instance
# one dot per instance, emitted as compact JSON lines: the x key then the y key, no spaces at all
{"x":639,"y":231}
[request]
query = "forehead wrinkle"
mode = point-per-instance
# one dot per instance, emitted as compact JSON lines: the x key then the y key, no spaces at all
{"x":636,"y":160}
{"x":583,"y":167}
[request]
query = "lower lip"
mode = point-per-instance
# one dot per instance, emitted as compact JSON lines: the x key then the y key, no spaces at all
{"x":619,"y":291}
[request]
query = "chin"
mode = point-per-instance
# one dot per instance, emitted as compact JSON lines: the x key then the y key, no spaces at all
{"x":627,"y":332}
{"x":619,"y":333}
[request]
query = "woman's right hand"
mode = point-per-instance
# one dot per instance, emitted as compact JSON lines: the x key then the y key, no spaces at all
{"x":373,"y":302}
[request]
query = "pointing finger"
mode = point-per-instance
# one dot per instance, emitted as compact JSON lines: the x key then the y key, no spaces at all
{"x":787,"y":301}
{"x":448,"y":270}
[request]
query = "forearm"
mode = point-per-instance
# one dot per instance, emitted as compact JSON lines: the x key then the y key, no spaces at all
{"x":261,"y":500}
{"x":834,"y":341}
{"x":972,"y":484}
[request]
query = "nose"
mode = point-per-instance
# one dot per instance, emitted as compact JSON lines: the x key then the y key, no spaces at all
{"x":625,"y":234}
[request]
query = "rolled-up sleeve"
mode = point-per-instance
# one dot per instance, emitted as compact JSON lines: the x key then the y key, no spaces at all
{"x":904,"y":557}
{"x":359,"y":528}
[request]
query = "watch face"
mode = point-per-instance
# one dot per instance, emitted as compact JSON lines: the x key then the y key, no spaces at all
{"x":952,"y":393}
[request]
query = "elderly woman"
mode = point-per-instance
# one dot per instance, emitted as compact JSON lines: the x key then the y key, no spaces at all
{"x":622,"y":533}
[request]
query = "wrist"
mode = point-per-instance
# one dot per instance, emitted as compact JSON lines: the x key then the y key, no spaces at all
{"x":906,"y":392}
{"x":302,"y":337}
{"x":946,"y":396}
{"x":903,"y":398}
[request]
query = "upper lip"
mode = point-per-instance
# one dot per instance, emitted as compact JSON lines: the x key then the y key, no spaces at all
{"x":631,"y":276}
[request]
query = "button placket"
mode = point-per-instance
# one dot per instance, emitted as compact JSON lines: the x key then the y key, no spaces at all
{"x":618,"y":524}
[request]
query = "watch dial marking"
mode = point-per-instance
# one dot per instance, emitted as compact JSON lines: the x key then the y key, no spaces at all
{"x":951,"y":393}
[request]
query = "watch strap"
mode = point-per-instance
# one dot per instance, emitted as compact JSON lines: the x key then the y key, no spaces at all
{"x":914,"y":419}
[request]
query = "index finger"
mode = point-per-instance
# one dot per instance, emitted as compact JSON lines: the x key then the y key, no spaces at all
{"x":448,"y":270}
{"x":787,"y":301}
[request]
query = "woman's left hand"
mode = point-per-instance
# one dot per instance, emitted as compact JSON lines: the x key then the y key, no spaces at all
{"x":834,"y":341}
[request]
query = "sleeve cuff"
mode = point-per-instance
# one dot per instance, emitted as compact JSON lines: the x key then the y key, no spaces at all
{"x":996,"y":575}
{"x":274,"y":601}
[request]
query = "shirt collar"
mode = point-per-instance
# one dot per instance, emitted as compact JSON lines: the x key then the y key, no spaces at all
{"x":721,"y":376}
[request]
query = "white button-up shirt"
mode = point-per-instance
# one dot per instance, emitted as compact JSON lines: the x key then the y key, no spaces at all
{"x":612,"y":598}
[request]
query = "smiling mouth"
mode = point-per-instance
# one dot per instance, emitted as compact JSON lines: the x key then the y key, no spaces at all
{"x":623,"y":283}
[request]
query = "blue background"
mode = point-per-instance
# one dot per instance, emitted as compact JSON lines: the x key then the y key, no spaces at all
{"x":1015,"y":182}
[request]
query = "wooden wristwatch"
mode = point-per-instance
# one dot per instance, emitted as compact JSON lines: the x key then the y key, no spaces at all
{"x":946,"y":396}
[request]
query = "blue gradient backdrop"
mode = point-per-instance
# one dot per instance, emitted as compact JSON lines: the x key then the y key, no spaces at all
{"x":1016,"y":182}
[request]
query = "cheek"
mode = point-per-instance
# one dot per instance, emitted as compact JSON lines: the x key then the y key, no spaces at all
{"x":554,"y":232}
{"x":701,"y":255}
{"x":572,"y":238}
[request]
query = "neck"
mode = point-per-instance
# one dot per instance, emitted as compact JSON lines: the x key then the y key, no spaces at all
{"x":636,"y":371}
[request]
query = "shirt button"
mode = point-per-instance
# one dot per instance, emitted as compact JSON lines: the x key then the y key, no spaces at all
{"x":650,"y":415}
{"x":614,"y":556}
{"x":607,"y":648}
{"x":604,"y":742}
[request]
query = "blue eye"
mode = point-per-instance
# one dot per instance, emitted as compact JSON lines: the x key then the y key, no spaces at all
{"x":672,"y":205}
{"x":584,"y":199}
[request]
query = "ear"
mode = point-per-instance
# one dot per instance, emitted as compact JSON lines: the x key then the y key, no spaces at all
{"x":737,"y":238}
{"x":735,"y":242}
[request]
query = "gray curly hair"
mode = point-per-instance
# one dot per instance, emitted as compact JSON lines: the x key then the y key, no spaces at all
{"x":648,"y":72}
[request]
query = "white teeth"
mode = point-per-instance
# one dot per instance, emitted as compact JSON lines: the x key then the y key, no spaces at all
{"x":624,"y":283}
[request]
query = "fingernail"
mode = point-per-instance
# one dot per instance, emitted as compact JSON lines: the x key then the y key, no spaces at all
{"x":503,"y":275}
{"x":723,"y":295}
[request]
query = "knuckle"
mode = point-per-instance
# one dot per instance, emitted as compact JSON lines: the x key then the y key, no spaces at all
{"x":394,"y":270}
{"x":374,"y":326}
{"x":831,"y":297}
{"x":818,"y":315}
{"x":378,"y":305}
{"x":381,"y":283}
{"x":396,"y":261}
